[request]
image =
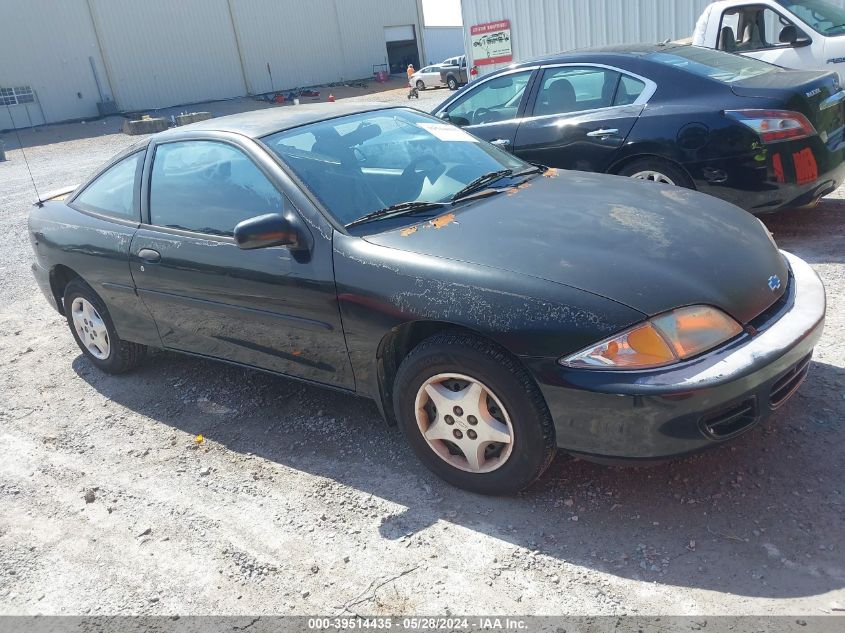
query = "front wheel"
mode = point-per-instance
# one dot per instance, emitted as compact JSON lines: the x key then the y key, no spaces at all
{"x":420,"y":85}
{"x":473,"y":415}
{"x":657,"y":170}
{"x":93,"y":330}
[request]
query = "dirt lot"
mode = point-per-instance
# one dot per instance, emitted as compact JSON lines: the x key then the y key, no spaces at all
{"x":300,"y":501}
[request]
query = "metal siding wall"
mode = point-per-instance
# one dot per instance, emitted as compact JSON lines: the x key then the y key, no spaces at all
{"x":320,"y":41}
{"x":442,"y":42}
{"x":540,"y":27}
{"x":46,"y":45}
{"x":162,"y":53}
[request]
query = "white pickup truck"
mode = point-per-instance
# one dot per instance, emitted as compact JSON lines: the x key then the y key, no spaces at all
{"x":802,"y":34}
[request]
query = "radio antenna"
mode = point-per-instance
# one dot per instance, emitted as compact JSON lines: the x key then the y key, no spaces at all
{"x":23,"y":153}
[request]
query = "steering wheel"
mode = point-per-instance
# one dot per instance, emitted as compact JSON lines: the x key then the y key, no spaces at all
{"x":421,"y":167}
{"x":484,"y":115}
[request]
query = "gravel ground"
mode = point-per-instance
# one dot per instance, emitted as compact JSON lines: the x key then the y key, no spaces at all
{"x":299,"y":500}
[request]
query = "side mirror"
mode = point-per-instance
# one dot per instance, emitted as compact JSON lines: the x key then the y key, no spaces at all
{"x":268,"y":230}
{"x":443,"y":114}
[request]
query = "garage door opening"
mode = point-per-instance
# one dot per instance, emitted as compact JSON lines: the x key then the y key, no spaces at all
{"x":401,"y":48}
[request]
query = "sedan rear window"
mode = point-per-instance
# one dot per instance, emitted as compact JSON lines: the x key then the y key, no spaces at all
{"x":717,"y":65}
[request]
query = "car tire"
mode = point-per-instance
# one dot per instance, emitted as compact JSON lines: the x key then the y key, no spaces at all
{"x":420,"y":84}
{"x":657,"y":170}
{"x":471,"y":370}
{"x":452,"y":83}
{"x":93,"y":330}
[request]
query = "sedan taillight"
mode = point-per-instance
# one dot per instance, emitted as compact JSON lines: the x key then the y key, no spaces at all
{"x":774,"y":125}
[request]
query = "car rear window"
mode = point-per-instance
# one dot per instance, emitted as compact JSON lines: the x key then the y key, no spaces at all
{"x":717,"y":65}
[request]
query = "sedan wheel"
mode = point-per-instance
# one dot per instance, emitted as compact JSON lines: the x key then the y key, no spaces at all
{"x":653,"y":176}
{"x":472,"y":414}
{"x":91,"y":328}
{"x":420,"y":85}
{"x":464,"y":423}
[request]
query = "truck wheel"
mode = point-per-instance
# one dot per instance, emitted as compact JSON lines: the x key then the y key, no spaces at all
{"x":93,"y":330}
{"x":473,"y":415}
{"x":452,"y":83}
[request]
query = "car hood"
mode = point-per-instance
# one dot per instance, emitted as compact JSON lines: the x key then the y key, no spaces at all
{"x":649,"y":246}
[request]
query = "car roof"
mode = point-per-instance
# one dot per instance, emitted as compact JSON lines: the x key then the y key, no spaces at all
{"x":602,"y":54}
{"x":258,"y":123}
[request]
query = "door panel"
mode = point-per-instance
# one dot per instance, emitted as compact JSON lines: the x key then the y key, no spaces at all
{"x":269,"y":308}
{"x":581,"y":117}
{"x":262,"y":307}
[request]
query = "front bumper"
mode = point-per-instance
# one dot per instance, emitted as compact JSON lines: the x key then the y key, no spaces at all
{"x":661,"y":413}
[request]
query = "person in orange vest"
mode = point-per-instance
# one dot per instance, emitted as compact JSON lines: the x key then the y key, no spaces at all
{"x":413,"y":92}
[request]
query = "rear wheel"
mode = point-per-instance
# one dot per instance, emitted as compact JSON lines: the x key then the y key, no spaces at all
{"x":657,"y":170}
{"x":94,"y":332}
{"x":473,"y":415}
{"x":452,"y":83}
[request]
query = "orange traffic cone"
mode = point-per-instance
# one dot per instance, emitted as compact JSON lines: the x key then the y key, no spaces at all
{"x":331,"y":98}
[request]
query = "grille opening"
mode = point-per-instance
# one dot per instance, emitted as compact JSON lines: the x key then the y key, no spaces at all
{"x":731,"y":421}
{"x":788,"y":384}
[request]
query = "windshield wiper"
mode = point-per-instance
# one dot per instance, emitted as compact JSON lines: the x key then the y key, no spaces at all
{"x":481,"y":182}
{"x":395,"y":210}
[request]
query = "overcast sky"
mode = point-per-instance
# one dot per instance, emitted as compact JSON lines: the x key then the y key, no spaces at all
{"x":442,"y":12}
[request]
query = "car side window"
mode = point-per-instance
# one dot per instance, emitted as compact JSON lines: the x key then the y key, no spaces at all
{"x":496,"y":99}
{"x":751,"y":28}
{"x":208,"y":187}
{"x":628,"y":91}
{"x":573,"y":89}
{"x":112,"y":192}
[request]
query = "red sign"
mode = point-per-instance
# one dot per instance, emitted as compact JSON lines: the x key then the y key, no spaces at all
{"x":491,"y":42}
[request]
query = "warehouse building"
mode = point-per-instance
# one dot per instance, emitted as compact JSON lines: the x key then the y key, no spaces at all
{"x":540,"y":27}
{"x":74,"y":59}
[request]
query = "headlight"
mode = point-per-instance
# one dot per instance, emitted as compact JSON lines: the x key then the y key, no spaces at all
{"x":662,"y":340}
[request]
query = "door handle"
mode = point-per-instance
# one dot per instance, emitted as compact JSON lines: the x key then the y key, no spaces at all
{"x":149,"y":255}
{"x":603,"y":132}
{"x":501,"y":142}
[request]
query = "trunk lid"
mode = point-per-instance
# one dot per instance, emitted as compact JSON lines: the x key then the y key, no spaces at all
{"x":651,"y":247}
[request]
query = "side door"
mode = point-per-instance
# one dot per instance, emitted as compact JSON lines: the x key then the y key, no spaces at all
{"x":269,"y":308}
{"x":580,"y":116}
{"x":762,"y":32}
{"x":492,"y":108}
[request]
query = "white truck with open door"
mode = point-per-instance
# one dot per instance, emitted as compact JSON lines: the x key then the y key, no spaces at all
{"x":801,"y":34}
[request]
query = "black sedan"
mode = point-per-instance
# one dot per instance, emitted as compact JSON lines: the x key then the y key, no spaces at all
{"x":496,"y":310}
{"x":734,"y":127}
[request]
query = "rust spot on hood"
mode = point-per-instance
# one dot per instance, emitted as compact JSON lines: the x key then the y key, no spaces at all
{"x":513,"y":190}
{"x":443,"y":220}
{"x":551,"y":172}
{"x":408,"y":231}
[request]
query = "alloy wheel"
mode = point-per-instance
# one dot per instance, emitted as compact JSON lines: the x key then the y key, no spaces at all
{"x":464,"y":423}
{"x":653,"y":176}
{"x":91,"y":328}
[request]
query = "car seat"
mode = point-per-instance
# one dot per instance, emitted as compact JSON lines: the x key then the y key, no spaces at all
{"x":560,"y":97}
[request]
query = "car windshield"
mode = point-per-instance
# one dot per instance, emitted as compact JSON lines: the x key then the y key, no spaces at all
{"x":717,"y":65}
{"x":366,"y":162}
{"x":821,"y":16}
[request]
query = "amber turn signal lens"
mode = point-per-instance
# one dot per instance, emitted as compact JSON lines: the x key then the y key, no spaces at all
{"x":663,"y":340}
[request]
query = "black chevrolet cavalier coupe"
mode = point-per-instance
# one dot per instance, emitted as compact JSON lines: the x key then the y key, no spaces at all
{"x":751,"y":133}
{"x":495,"y":309}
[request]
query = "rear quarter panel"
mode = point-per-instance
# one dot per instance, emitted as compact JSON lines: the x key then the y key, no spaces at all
{"x":97,"y":250}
